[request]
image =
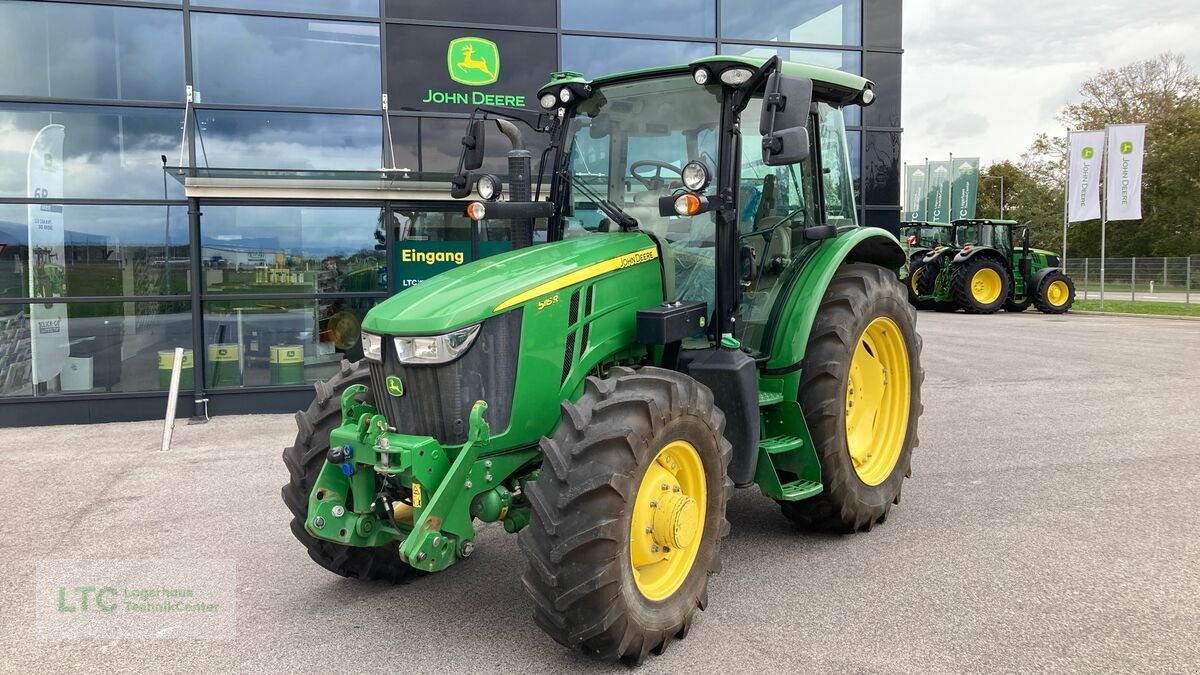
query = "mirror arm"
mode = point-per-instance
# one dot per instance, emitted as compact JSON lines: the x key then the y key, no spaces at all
{"x":742,"y":95}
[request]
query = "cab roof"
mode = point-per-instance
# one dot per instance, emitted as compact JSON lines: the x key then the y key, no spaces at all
{"x":828,"y":84}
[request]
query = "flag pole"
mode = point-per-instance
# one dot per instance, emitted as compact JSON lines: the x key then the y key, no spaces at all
{"x":1066,"y":199}
{"x":925,"y":200}
{"x":1103,"y":211}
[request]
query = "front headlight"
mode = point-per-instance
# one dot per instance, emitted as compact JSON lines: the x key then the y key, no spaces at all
{"x":432,"y":349}
{"x":372,"y":346}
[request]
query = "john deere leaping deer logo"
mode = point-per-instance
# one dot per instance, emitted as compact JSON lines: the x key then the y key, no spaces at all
{"x":474,"y":61}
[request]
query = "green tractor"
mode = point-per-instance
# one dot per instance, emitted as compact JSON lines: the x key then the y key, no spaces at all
{"x":705,"y":315}
{"x":919,"y":238}
{"x":989,"y":266}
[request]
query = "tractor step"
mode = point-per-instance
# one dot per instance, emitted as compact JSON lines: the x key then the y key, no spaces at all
{"x":778,"y":444}
{"x":801,"y":489}
{"x":768,"y":398}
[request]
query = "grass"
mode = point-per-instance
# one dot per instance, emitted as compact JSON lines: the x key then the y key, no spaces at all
{"x":1127,"y":307}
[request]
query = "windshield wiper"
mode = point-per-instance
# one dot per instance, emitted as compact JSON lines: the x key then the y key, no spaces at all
{"x":616,"y":213}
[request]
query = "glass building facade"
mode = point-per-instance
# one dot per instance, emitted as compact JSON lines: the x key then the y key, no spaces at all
{"x":107,"y":264}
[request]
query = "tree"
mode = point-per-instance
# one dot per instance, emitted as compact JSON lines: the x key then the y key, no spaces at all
{"x":1162,"y":92}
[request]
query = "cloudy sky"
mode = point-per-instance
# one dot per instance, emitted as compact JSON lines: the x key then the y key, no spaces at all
{"x":983,"y":78}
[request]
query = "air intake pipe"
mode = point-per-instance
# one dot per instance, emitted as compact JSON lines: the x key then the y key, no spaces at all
{"x":520,"y":189}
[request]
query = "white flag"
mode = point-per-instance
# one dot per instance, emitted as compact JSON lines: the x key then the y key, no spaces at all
{"x":1126,"y":143}
{"x":1083,"y":190}
{"x":47,"y":257}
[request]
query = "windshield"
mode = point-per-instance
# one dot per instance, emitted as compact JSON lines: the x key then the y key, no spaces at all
{"x":627,"y":144}
{"x":981,"y":234}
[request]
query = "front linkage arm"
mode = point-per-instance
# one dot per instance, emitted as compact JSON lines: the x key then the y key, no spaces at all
{"x":367,"y":455}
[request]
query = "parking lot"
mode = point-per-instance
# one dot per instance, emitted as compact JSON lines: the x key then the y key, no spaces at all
{"x":1051,"y":524}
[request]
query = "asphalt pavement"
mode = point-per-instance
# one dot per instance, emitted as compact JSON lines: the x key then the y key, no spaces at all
{"x":1051,"y":524}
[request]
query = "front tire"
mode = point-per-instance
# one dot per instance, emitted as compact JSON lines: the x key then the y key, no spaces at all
{"x":863,"y":351}
{"x":598,"y":574}
{"x":1055,"y":294}
{"x":304,"y":461}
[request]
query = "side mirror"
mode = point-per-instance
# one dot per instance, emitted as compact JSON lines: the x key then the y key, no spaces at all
{"x":473,"y":144}
{"x":786,"y":103}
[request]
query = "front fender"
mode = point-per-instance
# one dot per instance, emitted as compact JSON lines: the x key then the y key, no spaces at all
{"x":790,"y":334}
{"x":1035,"y":281}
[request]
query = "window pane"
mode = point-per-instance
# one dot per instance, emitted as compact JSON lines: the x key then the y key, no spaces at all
{"x":256,"y":140}
{"x":884,"y":71}
{"x":441,"y":144}
{"x":94,"y":347}
{"x":847,"y":61}
{"x":882,"y":26}
{"x":888,"y":220}
{"x":108,"y":152}
{"x":341,"y":7}
{"x":93,"y":250}
{"x":662,"y":17}
{"x":90,"y":51}
{"x":292,"y":249}
{"x":830,"y":22}
{"x":280,"y":342}
{"x":296,"y":62}
{"x":835,"y":168}
{"x":881,"y":169}
{"x":499,"y":12}
{"x":442,"y":70}
{"x":596,"y":56}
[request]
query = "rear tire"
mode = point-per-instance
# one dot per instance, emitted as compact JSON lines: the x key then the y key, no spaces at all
{"x":981,"y":285}
{"x":859,"y":295}
{"x":1055,"y":294}
{"x":304,"y":461}
{"x":581,"y":543}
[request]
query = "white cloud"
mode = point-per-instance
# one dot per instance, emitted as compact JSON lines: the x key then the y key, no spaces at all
{"x":1016,"y":63}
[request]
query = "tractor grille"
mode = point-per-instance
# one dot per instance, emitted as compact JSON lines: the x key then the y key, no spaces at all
{"x":437,"y":399}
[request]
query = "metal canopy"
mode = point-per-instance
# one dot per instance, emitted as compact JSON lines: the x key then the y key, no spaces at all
{"x":311,"y":183}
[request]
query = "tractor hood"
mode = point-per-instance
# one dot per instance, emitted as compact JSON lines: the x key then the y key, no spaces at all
{"x":473,"y":292}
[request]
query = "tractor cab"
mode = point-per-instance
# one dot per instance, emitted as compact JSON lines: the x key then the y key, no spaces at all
{"x":922,"y":235}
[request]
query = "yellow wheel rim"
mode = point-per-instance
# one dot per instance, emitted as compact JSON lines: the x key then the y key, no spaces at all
{"x":985,"y":286}
{"x":1057,"y":293}
{"x":668,"y":520}
{"x":877,"y":401}
{"x":912,"y":280}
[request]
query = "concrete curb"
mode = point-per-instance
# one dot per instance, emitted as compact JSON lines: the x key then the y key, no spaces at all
{"x":1139,"y":316}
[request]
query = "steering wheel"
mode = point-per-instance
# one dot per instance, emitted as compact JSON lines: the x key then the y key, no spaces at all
{"x":656,"y":181}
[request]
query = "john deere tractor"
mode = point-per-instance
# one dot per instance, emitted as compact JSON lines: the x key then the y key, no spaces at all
{"x":989,"y":266}
{"x":706,"y":314}
{"x":919,"y":238}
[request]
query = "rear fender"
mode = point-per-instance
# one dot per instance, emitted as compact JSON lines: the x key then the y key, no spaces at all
{"x":861,"y":245}
{"x":983,"y":251}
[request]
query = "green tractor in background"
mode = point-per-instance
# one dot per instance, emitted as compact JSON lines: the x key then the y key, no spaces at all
{"x":706,"y":314}
{"x":919,"y":238}
{"x":984,"y":269}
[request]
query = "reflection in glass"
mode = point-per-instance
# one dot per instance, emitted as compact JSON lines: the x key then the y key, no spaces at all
{"x":441,"y":144}
{"x":884,"y":70}
{"x":499,"y":12}
{"x":108,"y":152}
{"x":661,"y":17}
{"x":596,"y":56}
{"x":823,"y":22}
{"x":292,"y":249}
{"x":847,"y":61}
{"x":341,"y":7}
{"x":295,"y":62}
{"x":280,"y":342}
{"x":107,"y":250}
{"x":881,"y":168}
{"x":108,"y":346}
{"x":258,"y":140}
{"x":90,"y":51}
